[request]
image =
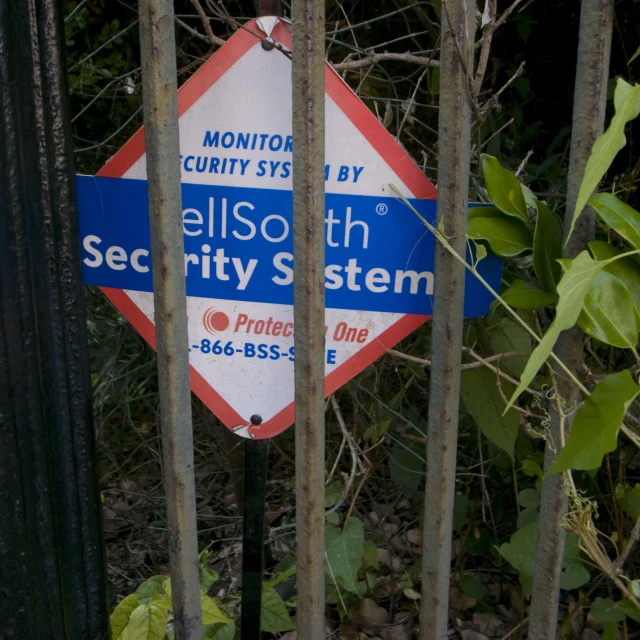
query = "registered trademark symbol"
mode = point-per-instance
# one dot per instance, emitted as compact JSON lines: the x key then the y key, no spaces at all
{"x":381,"y":209}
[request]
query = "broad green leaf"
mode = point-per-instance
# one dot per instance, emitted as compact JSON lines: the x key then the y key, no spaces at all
{"x":483,"y":401}
{"x":506,"y":237}
{"x":629,"y":609}
{"x":520,"y":553}
{"x":572,"y":290}
{"x":529,"y":197}
{"x":574,"y":573}
{"x":506,"y":336}
{"x":528,"y":516}
{"x":283,"y":570}
{"x":484,"y":212}
{"x":207,"y":576}
{"x":211,"y":614}
{"x":471,"y":586}
{"x":529,"y":499}
{"x":145,"y":591}
{"x":370,"y":557}
{"x":147,"y":622}
{"x":609,"y":314}
{"x":343,"y":553}
{"x":622,"y":218}
{"x":610,"y":631}
{"x":121,"y":614}
{"x":274,"y":617}
{"x":596,"y":425}
{"x":627,"y":270}
{"x":606,"y":147}
{"x":547,"y":248}
{"x":531,"y":468}
{"x":524,"y":295}
{"x":333,"y":493}
{"x":406,"y":467}
{"x":504,"y":188}
{"x":630,"y":501}
{"x":219,"y":631}
{"x":605,"y":610}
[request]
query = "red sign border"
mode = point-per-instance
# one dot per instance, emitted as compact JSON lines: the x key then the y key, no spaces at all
{"x":375,"y":133}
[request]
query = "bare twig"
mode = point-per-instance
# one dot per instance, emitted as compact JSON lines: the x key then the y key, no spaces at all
{"x":383,"y":57}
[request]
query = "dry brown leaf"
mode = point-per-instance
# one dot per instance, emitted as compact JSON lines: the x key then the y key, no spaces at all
{"x":369,"y":617}
{"x":414,"y":536}
{"x":468,"y":634}
{"x":460,"y":601}
{"x":488,"y":623}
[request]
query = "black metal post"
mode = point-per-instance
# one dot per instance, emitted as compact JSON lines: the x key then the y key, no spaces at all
{"x":255,"y":484}
{"x":52,"y":578}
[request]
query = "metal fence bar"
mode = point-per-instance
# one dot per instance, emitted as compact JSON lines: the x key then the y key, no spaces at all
{"x":590,"y":96}
{"x":52,"y":567}
{"x":308,"y":230}
{"x":159,"y":82}
{"x":456,"y":65}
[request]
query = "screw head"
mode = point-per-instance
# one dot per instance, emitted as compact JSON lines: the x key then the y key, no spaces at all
{"x":256,"y":420}
{"x":268,"y":43}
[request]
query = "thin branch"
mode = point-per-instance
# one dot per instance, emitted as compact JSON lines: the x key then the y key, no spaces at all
{"x":383,"y":57}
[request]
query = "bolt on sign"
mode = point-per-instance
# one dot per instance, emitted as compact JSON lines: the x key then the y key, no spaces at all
{"x":236,"y":155}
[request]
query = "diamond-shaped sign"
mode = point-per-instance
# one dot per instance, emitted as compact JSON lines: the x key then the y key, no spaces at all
{"x":236,"y":155}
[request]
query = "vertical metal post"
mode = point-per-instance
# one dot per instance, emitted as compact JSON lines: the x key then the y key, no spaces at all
{"x":52,"y":568}
{"x":255,"y":484}
{"x":308,"y":247}
{"x":458,"y":24}
{"x":159,"y":83}
{"x":594,"y":48}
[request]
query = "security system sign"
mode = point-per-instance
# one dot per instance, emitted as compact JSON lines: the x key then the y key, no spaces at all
{"x":236,"y":162}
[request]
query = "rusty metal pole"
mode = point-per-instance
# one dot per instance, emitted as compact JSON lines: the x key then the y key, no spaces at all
{"x":589,"y":108}
{"x":458,"y":23}
{"x":159,"y":83}
{"x":52,"y":565}
{"x":308,"y":247}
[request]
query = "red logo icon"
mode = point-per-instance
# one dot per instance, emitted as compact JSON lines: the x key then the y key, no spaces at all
{"x":215,"y":321}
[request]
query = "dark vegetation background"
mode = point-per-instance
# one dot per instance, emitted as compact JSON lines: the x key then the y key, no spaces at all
{"x":385,"y":407}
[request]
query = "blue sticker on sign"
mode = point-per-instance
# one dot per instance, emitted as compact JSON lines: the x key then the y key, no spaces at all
{"x":239,"y":246}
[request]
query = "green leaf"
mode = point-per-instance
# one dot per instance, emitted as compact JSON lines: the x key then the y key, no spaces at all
{"x":629,"y":609}
{"x":483,"y":401}
{"x":343,"y":553}
{"x":211,"y":614}
{"x":531,"y":468}
{"x":370,"y":557}
{"x":147,"y":622}
{"x":606,"y":147}
{"x":506,"y":237}
{"x":471,"y":586}
{"x":547,"y":247}
{"x":283,"y":570}
{"x":574,"y":573}
{"x":207,"y":576}
{"x":622,"y":218}
{"x":520,"y":553}
{"x":529,"y":499}
{"x":121,"y":614}
{"x":634,"y":56}
{"x":572,"y":291}
{"x":596,"y":425}
{"x":503,"y":187}
{"x":524,"y":295}
{"x":627,"y":270}
{"x":630,"y":500}
{"x":609,"y":314}
{"x":332,"y":493}
{"x":219,"y":631}
{"x":406,"y":467}
{"x":610,"y":631}
{"x":605,"y":610}
{"x":146,"y":590}
{"x":274,"y":617}
{"x":505,"y":336}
